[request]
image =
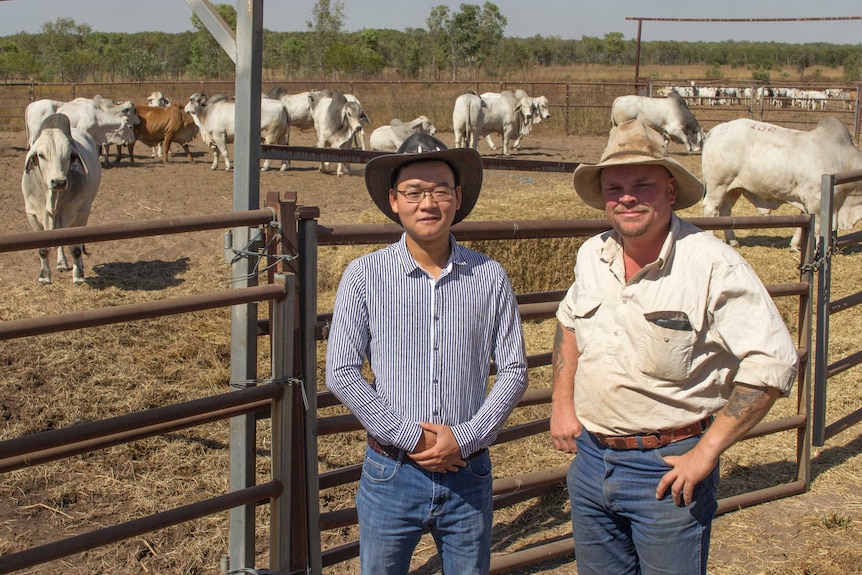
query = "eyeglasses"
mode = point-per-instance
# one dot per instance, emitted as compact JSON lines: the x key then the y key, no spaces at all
{"x":414,"y":196}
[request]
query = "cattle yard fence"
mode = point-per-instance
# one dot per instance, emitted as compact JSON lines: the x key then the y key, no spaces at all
{"x":296,"y":328}
{"x":577,"y":108}
{"x":829,"y":245}
{"x":275,"y":397}
{"x":542,"y":306}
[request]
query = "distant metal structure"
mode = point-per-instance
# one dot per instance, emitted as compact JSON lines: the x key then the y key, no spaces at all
{"x":641,"y":20}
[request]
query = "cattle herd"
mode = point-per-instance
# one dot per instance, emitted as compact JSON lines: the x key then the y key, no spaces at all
{"x":768,"y":164}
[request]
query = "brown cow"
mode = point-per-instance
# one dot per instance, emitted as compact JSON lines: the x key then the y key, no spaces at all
{"x":163,"y":126}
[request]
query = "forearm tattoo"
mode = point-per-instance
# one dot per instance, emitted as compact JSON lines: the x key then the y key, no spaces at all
{"x":743,"y":401}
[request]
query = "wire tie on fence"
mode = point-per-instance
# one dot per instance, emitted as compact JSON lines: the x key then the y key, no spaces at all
{"x":298,"y":381}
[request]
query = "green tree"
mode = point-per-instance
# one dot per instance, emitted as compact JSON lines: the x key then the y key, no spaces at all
{"x":293,"y":52}
{"x":615,"y":47}
{"x":139,"y":65}
{"x":206,"y":57}
{"x":328,"y":20}
{"x":15,"y":64}
{"x":473,"y":35}
{"x":852,"y":68}
{"x":63,"y":49}
{"x":437,"y":22}
{"x":341,"y":58}
{"x":804,"y":59}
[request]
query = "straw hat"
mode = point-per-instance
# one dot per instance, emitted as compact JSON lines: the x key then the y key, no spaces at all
{"x":466,"y":164}
{"x":634,"y":142}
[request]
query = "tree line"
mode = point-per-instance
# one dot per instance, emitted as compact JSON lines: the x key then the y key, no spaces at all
{"x":467,"y":44}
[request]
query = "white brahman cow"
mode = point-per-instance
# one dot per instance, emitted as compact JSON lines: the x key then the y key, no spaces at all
{"x":670,"y":116}
{"x":771,"y":165}
{"x":116,"y":109}
{"x":389,"y":138}
{"x":504,"y":115}
{"x":336,"y":121}
{"x":216,"y":119}
{"x":363,"y":118}
{"x":61,"y":177}
{"x":468,"y":116}
{"x":297,"y":106}
{"x":540,"y":109}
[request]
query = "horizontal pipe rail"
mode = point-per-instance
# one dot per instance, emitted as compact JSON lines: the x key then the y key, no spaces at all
{"x":126,"y":230}
{"x":784,"y":424}
{"x":533,"y":229}
{"x":844,"y":364}
{"x":100,"y":537}
{"x":847,"y":177}
{"x":849,"y":240}
{"x":527,"y":557}
{"x":83,"y":437}
{"x":844,"y":423}
{"x":314,"y":154}
{"x":845,"y":303}
{"x":760,"y":496}
{"x":137,"y":311}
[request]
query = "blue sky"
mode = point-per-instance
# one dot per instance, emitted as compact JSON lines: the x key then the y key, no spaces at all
{"x":568,"y":19}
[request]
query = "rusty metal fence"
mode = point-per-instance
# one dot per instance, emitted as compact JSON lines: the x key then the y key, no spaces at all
{"x":276,"y":397}
{"x":541,"y":306}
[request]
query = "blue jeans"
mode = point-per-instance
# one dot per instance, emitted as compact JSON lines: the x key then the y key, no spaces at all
{"x":398,"y":500}
{"x":620,"y":527}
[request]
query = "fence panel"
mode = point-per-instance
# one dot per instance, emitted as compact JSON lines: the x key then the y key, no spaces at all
{"x":830,"y":245}
{"x":26,"y":451}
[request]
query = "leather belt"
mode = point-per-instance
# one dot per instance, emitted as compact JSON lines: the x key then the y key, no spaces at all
{"x":394,"y":453}
{"x":647,"y":441}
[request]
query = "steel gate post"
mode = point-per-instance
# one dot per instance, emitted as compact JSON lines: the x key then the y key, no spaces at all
{"x":281,"y":338}
{"x":307,"y":240}
{"x":824,"y":281}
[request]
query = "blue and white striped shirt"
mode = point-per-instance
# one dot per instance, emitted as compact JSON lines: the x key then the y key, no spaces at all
{"x":429,"y":344}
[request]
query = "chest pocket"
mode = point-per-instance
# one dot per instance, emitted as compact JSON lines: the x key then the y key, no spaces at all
{"x":585,"y":320}
{"x":667,"y":346}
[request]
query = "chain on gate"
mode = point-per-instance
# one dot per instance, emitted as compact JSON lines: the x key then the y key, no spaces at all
{"x":819,"y":257}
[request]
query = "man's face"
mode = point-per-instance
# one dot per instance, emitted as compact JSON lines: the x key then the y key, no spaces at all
{"x":638,"y":199}
{"x":429,"y":219}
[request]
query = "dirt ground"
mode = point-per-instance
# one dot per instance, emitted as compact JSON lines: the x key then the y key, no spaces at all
{"x":814,"y":533}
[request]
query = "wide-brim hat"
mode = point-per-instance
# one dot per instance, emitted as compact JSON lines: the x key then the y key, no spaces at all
{"x":634,"y":142}
{"x":466,"y":163}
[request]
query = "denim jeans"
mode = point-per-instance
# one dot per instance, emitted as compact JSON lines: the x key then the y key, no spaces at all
{"x":618,"y":524}
{"x":397,"y":500}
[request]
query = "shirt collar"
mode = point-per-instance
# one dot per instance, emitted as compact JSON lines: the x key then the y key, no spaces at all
{"x":408,"y":263}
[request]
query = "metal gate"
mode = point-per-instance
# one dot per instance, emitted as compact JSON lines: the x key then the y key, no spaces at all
{"x":828,"y":246}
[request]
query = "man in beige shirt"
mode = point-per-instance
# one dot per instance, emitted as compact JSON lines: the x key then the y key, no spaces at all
{"x":668,"y":350}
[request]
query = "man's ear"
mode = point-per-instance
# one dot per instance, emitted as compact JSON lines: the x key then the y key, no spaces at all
{"x":671,"y":190}
{"x":393,"y":200}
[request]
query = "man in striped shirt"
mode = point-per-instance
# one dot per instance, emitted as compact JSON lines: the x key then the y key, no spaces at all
{"x":429,"y":315}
